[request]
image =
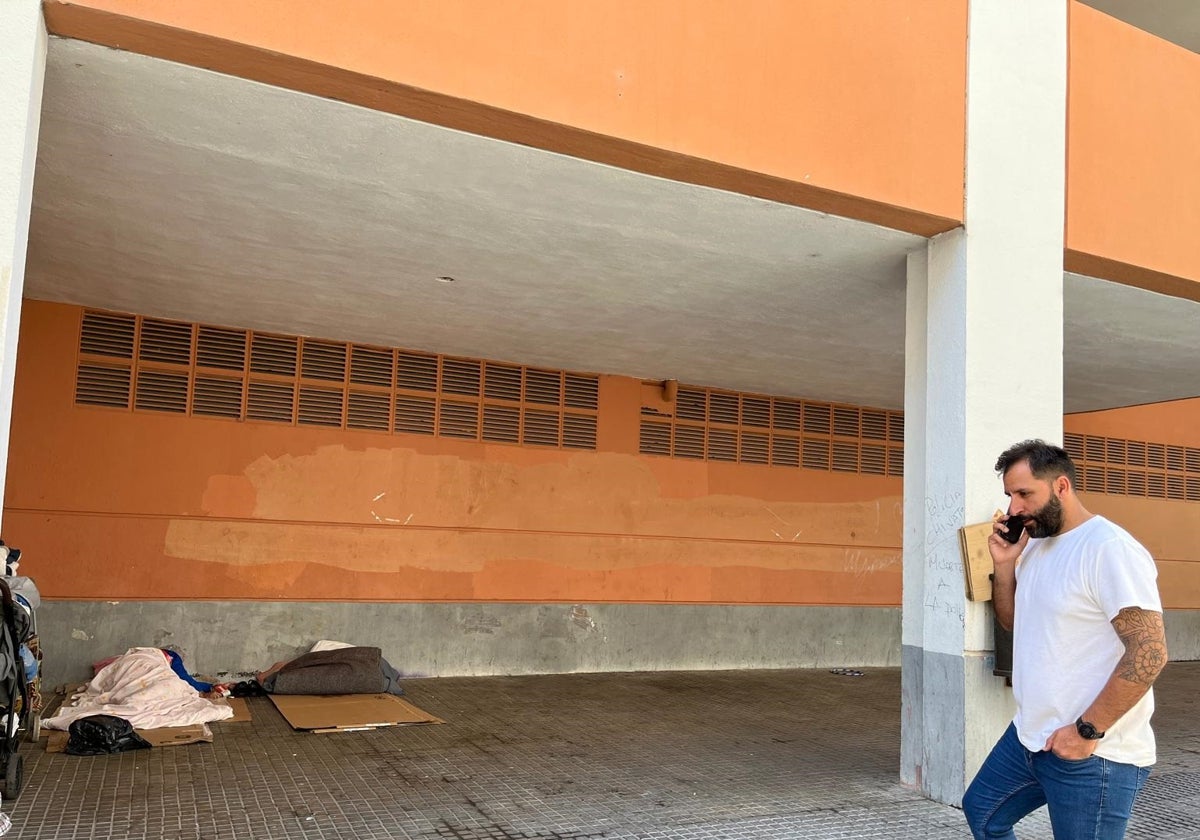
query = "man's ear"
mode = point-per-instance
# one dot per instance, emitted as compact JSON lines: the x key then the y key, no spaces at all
{"x":1062,"y":484}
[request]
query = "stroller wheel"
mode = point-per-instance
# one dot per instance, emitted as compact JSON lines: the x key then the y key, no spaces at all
{"x":14,"y":773}
{"x":35,"y":726}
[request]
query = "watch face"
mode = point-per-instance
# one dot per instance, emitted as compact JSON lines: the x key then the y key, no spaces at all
{"x":1086,"y":730}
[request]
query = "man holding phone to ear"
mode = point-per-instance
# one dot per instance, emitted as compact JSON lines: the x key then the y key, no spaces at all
{"x":1088,"y":643}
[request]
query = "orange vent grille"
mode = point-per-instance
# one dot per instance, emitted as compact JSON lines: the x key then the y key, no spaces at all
{"x":1117,"y":466}
{"x":147,"y":364}
{"x":716,"y":425}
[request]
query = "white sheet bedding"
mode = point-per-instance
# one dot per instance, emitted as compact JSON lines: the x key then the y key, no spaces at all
{"x":140,"y":687}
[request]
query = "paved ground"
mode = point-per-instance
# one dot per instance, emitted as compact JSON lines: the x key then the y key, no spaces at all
{"x":752,"y":754}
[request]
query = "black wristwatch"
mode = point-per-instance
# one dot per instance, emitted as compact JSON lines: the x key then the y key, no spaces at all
{"x":1087,"y":731}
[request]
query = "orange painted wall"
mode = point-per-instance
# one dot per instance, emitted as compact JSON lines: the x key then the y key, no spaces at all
{"x":1133,"y":161}
{"x":110,"y":504}
{"x":1170,"y":530}
{"x":851,"y":97}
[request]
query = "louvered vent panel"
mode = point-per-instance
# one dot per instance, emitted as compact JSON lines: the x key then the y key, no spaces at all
{"x":873,"y":459}
{"x":1193,"y":489}
{"x":1135,"y":451}
{"x":654,"y":438}
{"x":1135,"y":483}
{"x":459,"y":420}
{"x":1114,"y":481}
{"x":540,"y":428}
{"x":501,"y":423}
{"x":874,"y":424}
{"x":722,"y":445}
{"x":1192,"y":458}
{"x":689,"y":442}
{"x":215,"y":396}
{"x":690,"y":404}
{"x":895,"y":458}
{"x":100,"y":385}
{"x":159,"y":390}
{"x":723,"y":408}
{"x":845,"y":456}
{"x":1093,"y":449}
{"x":895,"y":427}
{"x":754,"y":449}
{"x":787,"y":415}
{"x":845,"y":421}
{"x":1156,"y":486}
{"x":320,"y":407}
{"x":815,"y":454}
{"x":1114,"y":451}
{"x":165,"y":341}
{"x":107,"y":335}
{"x":579,"y":431}
{"x":270,"y":401}
{"x":414,"y":415}
{"x":273,"y":354}
{"x":817,"y":418}
{"x":1175,"y":459}
{"x":756,"y":411}
{"x":461,"y":376}
{"x":502,"y":382}
{"x":1176,"y":488}
{"x":371,"y":366}
{"x":1074,"y":446}
{"x":1093,"y":479}
{"x":785,"y":451}
{"x":368,"y":410}
{"x":543,"y":387}
{"x":582,"y":391}
{"x":417,"y":372}
{"x":1156,"y":456}
{"x":323,"y":360}
{"x":221,"y":348}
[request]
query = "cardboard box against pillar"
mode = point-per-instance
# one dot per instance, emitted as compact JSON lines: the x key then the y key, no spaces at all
{"x":977,"y":560}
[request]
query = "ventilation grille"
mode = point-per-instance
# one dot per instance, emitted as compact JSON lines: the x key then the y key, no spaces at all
{"x":148,"y":364}
{"x":1116,"y":466}
{"x":754,"y":429}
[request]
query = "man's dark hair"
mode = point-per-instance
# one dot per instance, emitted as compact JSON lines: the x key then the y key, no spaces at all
{"x":1045,"y":460}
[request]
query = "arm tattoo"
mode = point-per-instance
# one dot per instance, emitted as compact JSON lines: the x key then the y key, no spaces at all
{"x":1142,"y":633}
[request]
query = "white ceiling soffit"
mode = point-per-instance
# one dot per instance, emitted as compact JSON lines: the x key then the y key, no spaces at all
{"x":1177,"y":21}
{"x":1125,"y":346}
{"x":171,"y":191}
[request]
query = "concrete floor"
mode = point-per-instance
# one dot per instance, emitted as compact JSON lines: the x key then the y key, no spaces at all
{"x":749,"y":754}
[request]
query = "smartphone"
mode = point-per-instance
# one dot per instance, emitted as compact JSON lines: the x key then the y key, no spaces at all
{"x":1015,"y":526}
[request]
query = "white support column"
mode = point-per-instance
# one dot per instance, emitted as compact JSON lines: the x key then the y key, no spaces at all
{"x":983,"y":371}
{"x":22,"y":70}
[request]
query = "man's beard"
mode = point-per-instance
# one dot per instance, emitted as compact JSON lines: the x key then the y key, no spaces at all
{"x":1046,"y":522}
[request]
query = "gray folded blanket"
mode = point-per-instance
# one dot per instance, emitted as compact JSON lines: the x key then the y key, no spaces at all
{"x":354,"y":670}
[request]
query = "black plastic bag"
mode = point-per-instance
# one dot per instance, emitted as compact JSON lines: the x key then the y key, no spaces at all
{"x":103,"y":734}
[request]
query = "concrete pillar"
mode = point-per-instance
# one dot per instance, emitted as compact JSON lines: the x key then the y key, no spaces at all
{"x":983,"y":370}
{"x":22,"y":69}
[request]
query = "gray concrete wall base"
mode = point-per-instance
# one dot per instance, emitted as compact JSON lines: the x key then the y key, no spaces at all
{"x":1183,"y":634}
{"x":442,"y":639}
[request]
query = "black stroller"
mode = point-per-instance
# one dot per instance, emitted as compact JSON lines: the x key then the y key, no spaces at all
{"x":16,"y":705}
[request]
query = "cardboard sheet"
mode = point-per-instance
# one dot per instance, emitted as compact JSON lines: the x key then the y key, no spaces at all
{"x":241,"y":711}
{"x":171,"y":736}
{"x":977,"y":560}
{"x":348,"y":712}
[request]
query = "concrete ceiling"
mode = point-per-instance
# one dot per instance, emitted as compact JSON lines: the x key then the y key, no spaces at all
{"x":170,"y":191}
{"x":1177,"y":21}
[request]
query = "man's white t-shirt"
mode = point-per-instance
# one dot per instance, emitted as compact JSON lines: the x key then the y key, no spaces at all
{"x":1069,"y":589}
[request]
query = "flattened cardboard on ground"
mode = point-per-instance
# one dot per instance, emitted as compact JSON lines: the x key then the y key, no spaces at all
{"x":344,"y":712}
{"x":167,"y":736}
{"x":241,"y":711}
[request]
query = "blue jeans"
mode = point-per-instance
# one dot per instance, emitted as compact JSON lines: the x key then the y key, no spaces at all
{"x":1088,"y":800}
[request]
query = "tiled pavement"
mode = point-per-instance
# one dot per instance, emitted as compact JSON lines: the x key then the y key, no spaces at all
{"x":749,"y":754}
